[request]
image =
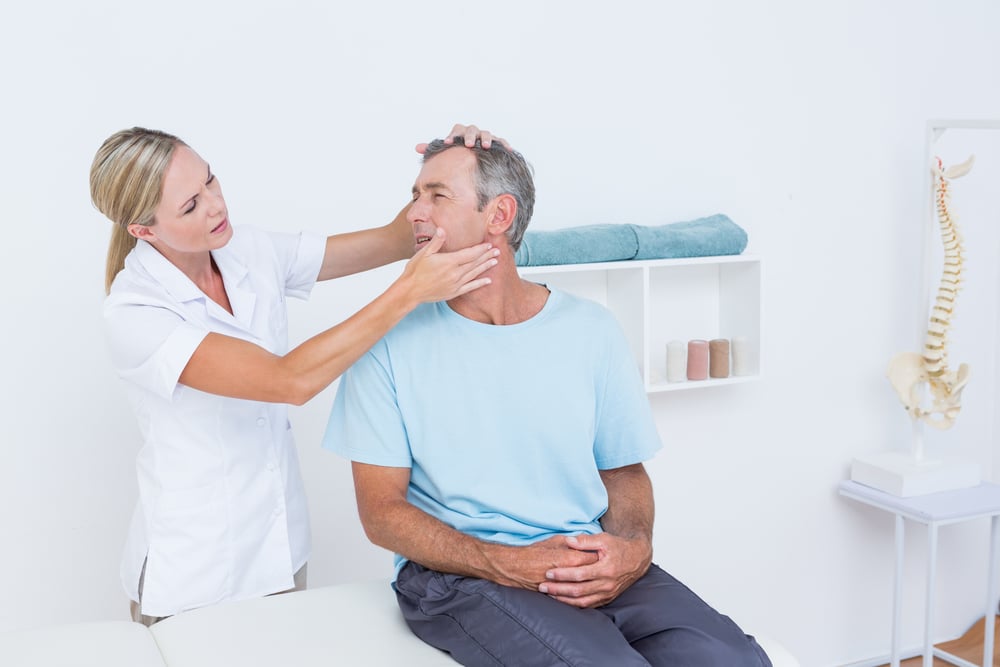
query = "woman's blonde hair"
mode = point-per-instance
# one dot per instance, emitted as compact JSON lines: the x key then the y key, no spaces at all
{"x":126,"y":182}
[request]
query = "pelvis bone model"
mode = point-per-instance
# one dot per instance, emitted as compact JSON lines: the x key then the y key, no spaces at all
{"x":910,"y":372}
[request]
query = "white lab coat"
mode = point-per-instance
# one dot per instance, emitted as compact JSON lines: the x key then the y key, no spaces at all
{"x":222,"y":511}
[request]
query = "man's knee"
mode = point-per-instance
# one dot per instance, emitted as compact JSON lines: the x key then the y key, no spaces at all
{"x":693,"y":648}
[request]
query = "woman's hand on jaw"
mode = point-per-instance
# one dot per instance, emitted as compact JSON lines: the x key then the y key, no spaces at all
{"x":438,"y":276}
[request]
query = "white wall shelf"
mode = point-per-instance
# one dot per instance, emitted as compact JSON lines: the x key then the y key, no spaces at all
{"x":660,"y":300}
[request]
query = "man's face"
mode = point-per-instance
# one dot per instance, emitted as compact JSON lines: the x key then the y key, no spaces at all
{"x":444,"y":195}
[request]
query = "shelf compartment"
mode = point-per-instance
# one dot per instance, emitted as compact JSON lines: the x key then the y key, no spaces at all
{"x":657,"y":301}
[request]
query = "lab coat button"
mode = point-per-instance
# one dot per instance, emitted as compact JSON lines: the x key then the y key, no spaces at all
{"x":261,"y":421}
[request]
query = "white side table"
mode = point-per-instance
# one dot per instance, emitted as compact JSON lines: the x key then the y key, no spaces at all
{"x":934,"y":510}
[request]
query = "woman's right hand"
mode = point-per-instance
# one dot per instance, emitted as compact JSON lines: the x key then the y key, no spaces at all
{"x":438,"y":276}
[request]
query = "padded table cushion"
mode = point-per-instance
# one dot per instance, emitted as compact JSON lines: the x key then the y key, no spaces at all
{"x":99,"y":644}
{"x":347,"y":624}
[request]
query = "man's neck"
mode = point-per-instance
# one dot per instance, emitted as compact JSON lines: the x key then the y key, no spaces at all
{"x":506,"y":300}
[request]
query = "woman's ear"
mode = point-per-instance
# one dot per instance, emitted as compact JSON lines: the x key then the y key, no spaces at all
{"x":144,"y":232}
{"x":503,"y":214}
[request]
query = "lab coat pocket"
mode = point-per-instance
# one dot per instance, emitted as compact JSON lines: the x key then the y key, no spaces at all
{"x":189,"y":561}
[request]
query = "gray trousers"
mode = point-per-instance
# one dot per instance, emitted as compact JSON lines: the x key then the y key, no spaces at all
{"x":656,"y":622}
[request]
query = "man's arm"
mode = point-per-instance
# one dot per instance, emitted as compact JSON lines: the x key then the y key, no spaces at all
{"x":392,"y":522}
{"x":624,"y":550}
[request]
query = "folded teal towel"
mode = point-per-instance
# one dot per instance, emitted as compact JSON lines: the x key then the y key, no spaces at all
{"x":704,"y":237}
{"x":577,"y":245}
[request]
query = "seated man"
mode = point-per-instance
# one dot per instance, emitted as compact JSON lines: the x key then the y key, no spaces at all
{"x":497,"y":443}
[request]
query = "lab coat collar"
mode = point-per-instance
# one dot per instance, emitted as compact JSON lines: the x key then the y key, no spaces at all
{"x":235,"y":275}
{"x":180,"y":287}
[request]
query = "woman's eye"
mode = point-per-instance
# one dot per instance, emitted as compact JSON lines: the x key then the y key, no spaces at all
{"x":191,"y":207}
{"x":210,"y":179}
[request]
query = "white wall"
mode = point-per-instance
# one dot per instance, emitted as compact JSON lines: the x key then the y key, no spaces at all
{"x":802,"y":121}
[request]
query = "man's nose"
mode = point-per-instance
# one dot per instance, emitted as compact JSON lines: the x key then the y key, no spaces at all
{"x":417,"y":211}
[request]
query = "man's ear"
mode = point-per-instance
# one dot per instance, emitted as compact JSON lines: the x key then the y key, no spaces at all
{"x":144,"y":232}
{"x":503,"y":214}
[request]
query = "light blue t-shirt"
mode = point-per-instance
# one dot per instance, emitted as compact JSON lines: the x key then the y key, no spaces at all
{"x":504,"y":428}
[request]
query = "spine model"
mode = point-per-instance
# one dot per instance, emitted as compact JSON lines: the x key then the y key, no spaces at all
{"x":935,"y":344}
{"x":910,"y":373}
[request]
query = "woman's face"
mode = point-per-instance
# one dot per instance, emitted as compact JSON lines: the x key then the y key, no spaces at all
{"x":192,"y":215}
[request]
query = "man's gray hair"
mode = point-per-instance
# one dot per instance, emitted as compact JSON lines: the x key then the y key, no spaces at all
{"x":499,"y":171}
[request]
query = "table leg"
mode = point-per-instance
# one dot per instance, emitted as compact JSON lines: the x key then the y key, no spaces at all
{"x":991,"y":592}
{"x":897,"y":594}
{"x":932,"y":531}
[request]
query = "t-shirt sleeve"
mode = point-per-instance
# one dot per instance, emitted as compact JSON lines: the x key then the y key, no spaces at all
{"x":150,"y":344}
{"x":365,"y":423}
{"x":625,"y":430}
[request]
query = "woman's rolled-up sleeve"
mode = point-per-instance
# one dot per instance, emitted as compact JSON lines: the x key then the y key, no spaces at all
{"x":150,"y":344}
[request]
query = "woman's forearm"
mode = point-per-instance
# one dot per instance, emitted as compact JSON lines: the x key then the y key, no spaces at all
{"x":233,"y":367}
{"x":239,"y":369}
{"x":354,"y":252}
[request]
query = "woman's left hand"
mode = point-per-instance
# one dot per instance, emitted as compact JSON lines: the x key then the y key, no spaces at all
{"x":468,"y":133}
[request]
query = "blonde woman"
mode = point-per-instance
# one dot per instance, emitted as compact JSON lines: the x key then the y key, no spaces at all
{"x":196,"y":324}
